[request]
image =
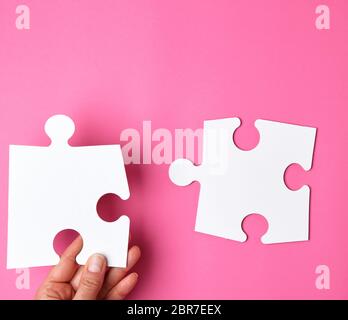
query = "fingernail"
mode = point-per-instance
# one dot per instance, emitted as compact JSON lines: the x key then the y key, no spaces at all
{"x":95,"y":263}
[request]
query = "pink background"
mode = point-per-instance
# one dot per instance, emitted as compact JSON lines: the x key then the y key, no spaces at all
{"x":112,"y":64}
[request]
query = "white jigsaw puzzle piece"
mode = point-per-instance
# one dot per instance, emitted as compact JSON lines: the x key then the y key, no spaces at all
{"x":235,"y":183}
{"x":57,"y":187}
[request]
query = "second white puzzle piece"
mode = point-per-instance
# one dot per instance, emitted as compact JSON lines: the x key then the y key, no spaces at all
{"x":235,"y":183}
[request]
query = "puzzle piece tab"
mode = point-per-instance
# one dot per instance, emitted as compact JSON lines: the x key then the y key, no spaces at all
{"x":236,"y":183}
{"x":57,"y":187}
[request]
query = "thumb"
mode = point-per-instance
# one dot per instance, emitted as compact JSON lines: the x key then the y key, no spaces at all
{"x":92,"y":278}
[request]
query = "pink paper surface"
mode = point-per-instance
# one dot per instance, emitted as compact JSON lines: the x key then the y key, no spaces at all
{"x":110,"y":65}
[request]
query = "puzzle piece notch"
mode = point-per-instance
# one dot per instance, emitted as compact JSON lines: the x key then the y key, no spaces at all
{"x":57,"y":187}
{"x":295,"y":176}
{"x":255,"y":180}
{"x":246,"y":137}
{"x":59,"y":128}
{"x":63,"y":239}
{"x":254,"y":226}
{"x":183,"y":172}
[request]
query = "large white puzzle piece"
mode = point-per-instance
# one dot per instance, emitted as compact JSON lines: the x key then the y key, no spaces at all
{"x":235,"y":183}
{"x":57,"y":187}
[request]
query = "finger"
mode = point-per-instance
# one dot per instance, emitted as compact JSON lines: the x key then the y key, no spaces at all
{"x":67,"y":266}
{"x":123,"y":288}
{"x":115,"y":275}
{"x":92,"y":278}
{"x":77,"y":277}
{"x":55,"y":291}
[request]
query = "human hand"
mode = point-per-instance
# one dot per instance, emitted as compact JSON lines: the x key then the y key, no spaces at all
{"x":70,"y":281}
